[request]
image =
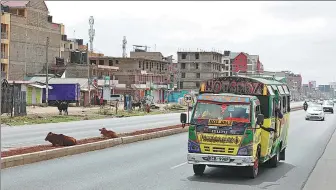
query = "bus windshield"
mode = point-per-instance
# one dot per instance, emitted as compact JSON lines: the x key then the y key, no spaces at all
{"x":222,"y":111}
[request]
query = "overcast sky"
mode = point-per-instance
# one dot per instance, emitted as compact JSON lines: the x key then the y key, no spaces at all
{"x":295,"y":36}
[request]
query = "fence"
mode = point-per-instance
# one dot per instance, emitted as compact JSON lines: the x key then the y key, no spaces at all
{"x":13,"y":101}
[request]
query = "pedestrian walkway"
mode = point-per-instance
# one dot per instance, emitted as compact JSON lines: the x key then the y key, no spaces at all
{"x":324,"y":175}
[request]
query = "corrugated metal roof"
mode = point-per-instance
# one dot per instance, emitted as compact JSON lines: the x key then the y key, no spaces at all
{"x":255,"y":57}
{"x":15,"y":3}
{"x":233,"y":55}
{"x":82,"y":81}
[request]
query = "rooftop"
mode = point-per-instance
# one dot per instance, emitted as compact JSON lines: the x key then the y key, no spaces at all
{"x":17,"y":4}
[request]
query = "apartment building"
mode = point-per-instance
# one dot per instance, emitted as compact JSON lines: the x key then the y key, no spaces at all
{"x":30,"y":25}
{"x":226,"y":69}
{"x":195,"y":67}
{"x":142,"y":76}
{"x":5,"y":36}
{"x":244,"y":63}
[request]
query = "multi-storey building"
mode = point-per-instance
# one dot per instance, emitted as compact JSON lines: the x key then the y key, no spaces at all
{"x":30,"y":25}
{"x":244,"y":63}
{"x":226,"y":69}
{"x":195,"y":67}
{"x":143,"y":75}
{"x":5,"y":36}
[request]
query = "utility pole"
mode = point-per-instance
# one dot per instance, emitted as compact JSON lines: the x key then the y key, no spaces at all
{"x":91,"y":37}
{"x":47,"y":72}
{"x":0,"y":87}
{"x":88,"y":70}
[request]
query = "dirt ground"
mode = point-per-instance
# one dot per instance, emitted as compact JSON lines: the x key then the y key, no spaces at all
{"x":73,"y":110}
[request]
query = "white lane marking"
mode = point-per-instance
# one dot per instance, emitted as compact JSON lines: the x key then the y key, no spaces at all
{"x":178,"y":165}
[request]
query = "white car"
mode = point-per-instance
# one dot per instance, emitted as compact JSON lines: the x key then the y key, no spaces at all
{"x":328,"y":106}
{"x":315,"y":113}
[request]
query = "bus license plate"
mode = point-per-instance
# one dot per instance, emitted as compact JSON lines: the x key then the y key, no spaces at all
{"x":219,"y":159}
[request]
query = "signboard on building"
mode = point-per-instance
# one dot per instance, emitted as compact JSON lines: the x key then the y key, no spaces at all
{"x":106,"y":93}
{"x":107,"y":81}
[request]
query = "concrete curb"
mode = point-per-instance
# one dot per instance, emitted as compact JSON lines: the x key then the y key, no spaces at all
{"x":29,"y":158}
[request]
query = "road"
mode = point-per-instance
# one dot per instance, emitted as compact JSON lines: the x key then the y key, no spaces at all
{"x":160,"y":164}
{"x":29,"y":135}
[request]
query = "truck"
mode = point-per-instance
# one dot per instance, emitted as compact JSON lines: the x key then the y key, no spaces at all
{"x":235,"y":122}
{"x":62,"y":92}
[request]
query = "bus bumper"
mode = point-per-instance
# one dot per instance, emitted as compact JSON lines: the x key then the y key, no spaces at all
{"x":221,"y":160}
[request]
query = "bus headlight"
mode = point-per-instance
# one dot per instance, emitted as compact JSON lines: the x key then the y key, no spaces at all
{"x":245,"y":151}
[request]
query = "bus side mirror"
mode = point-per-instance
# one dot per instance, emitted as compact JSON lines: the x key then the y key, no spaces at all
{"x":183,"y":118}
{"x":260,"y":119}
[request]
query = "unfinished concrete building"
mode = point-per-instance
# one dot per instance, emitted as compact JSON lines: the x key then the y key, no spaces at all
{"x":30,"y":25}
{"x":195,"y":67}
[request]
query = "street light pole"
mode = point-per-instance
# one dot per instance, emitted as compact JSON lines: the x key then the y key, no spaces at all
{"x":47,"y":72}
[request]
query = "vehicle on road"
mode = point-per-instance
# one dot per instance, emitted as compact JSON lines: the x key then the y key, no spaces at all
{"x":328,"y":106}
{"x":305,"y":106}
{"x":236,"y":122}
{"x":315,"y":112}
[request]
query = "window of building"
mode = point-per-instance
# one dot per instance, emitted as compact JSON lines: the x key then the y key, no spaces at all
{"x":183,"y":65}
{"x":181,"y":85}
{"x":198,"y":75}
{"x":184,"y":56}
{"x":71,"y":46}
{"x":146,"y":65}
{"x":197,"y":56}
{"x":157,"y":66}
{"x":117,"y":61}
{"x":21,"y":12}
{"x":182,"y":75}
{"x":197,"y":84}
{"x":197,"y":66}
{"x":143,"y":65}
{"x":110,"y":63}
{"x":139,"y":64}
{"x":101,"y":62}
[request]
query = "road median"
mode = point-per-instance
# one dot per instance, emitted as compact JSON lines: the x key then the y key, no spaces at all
{"x":37,"y":156}
{"x":28,"y":155}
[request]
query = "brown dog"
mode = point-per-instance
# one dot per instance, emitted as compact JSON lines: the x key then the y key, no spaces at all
{"x":60,"y":139}
{"x":108,"y":133}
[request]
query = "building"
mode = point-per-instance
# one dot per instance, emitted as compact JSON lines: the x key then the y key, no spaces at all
{"x":84,"y":87}
{"x":226,"y":69}
{"x":197,"y":66}
{"x":5,"y":36}
{"x":143,"y":75}
{"x":312,"y":84}
{"x":244,"y":63}
{"x":30,"y":25}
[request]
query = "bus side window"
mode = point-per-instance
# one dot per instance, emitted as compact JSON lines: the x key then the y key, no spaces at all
{"x":273,"y":108}
{"x":258,"y":111}
{"x":284,"y":105}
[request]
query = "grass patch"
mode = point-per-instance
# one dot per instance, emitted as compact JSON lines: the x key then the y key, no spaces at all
{"x":34,"y":119}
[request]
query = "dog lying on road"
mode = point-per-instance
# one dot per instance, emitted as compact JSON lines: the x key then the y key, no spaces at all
{"x":60,"y":139}
{"x":108,"y":133}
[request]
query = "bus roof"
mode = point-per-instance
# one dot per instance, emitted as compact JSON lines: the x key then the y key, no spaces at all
{"x":244,"y":85}
{"x":225,"y":97}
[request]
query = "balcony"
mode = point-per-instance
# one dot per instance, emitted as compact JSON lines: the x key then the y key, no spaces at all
{"x":4,"y":35}
{"x":3,"y":75}
{"x":4,"y":55}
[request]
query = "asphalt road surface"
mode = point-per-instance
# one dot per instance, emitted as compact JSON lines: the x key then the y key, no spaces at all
{"x":30,"y":135}
{"x":160,"y":164}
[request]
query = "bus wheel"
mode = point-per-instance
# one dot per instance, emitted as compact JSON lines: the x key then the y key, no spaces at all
{"x":199,"y":169}
{"x":274,"y":161}
{"x":283,"y":154}
{"x":253,"y":171}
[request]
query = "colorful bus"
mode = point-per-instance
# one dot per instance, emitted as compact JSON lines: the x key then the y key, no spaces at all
{"x":238,"y":121}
